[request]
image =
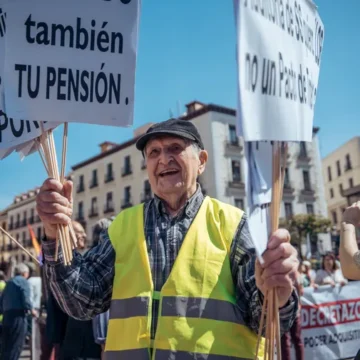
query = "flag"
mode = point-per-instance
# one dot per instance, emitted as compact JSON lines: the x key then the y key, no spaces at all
{"x":35,"y":242}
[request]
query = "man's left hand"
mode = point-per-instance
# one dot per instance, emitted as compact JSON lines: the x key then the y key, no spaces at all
{"x":279,"y":268}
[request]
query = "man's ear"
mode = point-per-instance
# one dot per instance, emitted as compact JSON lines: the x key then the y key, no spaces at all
{"x":203,"y":158}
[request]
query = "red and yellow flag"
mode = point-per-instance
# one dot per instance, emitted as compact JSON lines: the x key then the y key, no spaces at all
{"x":35,"y":242}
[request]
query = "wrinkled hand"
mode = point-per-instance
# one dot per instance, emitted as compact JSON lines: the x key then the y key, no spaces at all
{"x":279,"y":268}
{"x":352,"y":214}
{"x":54,"y":205}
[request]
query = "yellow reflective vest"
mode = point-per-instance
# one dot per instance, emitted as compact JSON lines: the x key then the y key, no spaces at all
{"x":198,"y":315}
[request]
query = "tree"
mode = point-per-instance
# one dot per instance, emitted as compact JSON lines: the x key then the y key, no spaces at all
{"x":301,"y":225}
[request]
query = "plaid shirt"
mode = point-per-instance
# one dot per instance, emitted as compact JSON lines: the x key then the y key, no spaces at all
{"x":84,"y":289}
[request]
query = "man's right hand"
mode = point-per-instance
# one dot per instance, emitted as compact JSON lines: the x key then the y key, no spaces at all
{"x":54,"y":205}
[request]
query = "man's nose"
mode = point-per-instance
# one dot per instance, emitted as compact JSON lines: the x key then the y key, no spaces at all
{"x":165,"y":157}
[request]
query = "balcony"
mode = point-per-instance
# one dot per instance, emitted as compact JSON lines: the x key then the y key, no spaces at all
{"x":146,"y":196}
{"x":37,"y":219}
{"x":109,"y":208}
{"x":9,"y":247}
{"x":307,"y":194}
{"x":24,"y":222}
{"x":93,"y":212}
{"x":288,"y":190}
{"x":126,"y":203}
{"x":79,"y":216}
{"x":11,"y":226}
{"x":127,"y":170}
{"x":93,"y":183}
{"x":17,"y":225}
{"x":303,"y":159}
{"x":236,"y":184}
{"x":80,"y":188}
{"x":232,"y":147}
{"x":109,"y":177}
{"x":31,"y":220}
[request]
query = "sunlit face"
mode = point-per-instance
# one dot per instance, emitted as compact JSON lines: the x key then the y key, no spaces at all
{"x":80,"y":235}
{"x":328,"y":263}
{"x":173,"y":165}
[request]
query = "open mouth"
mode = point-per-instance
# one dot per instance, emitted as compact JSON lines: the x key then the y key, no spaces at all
{"x":169,"y":172}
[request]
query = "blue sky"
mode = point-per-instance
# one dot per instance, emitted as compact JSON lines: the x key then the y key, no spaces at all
{"x":187,"y":52}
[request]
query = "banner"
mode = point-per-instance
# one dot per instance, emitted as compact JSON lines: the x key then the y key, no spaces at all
{"x":13,"y":132}
{"x":71,"y":61}
{"x":331,"y":322}
{"x":279,"y":47}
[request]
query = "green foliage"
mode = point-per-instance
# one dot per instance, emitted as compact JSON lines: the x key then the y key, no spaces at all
{"x":302,"y":224}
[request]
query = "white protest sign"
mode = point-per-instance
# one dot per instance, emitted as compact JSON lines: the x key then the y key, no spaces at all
{"x":330,"y":320}
{"x":71,"y":61}
{"x":279,"y":47}
{"x":13,"y":132}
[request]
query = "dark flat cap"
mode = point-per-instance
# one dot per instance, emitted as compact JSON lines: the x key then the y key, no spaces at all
{"x":174,"y":127}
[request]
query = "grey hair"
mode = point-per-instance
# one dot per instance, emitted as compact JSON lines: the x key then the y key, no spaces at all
{"x":99,"y":227}
{"x":21,"y":269}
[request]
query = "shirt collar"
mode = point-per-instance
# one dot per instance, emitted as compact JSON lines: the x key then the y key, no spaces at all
{"x":191,"y":207}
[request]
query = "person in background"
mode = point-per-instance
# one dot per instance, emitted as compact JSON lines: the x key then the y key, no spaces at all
{"x":15,"y":304}
{"x":72,"y":338}
{"x":2,"y":287}
{"x":294,"y":334}
{"x":349,"y":250}
{"x":100,"y":322}
{"x":34,"y":281}
{"x":329,"y":274}
{"x":306,"y":277}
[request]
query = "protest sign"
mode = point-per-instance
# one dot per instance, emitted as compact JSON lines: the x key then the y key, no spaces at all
{"x":331,"y":322}
{"x":279,"y":47}
{"x":13,"y":132}
{"x":71,"y":61}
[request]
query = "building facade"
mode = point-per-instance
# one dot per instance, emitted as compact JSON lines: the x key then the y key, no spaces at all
{"x":16,"y":218}
{"x":116,"y":178}
{"x":341,"y":172}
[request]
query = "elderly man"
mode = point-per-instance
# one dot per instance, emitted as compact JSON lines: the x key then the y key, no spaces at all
{"x":15,"y":305}
{"x":179,"y":272}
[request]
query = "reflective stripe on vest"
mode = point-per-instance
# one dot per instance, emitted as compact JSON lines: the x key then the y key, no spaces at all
{"x":178,"y":306}
{"x":143,"y":354}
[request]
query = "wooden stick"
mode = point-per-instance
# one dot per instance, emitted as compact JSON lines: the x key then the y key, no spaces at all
{"x":19,"y":245}
{"x":64,"y":151}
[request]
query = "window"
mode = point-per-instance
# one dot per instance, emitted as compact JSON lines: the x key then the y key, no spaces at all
{"x":239,"y":203}
{"x":32,"y":216}
{"x":347,"y":162}
{"x":287,"y":179}
{"x":24,"y":219}
{"x":81,"y":186}
{"x":109,"y":198}
{"x":39,"y":233}
{"x":11,"y":222}
{"x":236,"y":174}
{"x":329,"y":173}
{"x":94,"y":205}
{"x":303,"y":151}
{"x":17,"y":221}
{"x":351,"y":183}
{"x":127,"y":193}
{"x":127,"y":166}
{"x":341,"y":189}
{"x":147,"y":186}
{"x":94,"y":179}
{"x":232,"y":135}
{"x":338,"y":168}
{"x":23,"y":237}
{"x":310,"y":208}
{"x":331,"y":193}
{"x":80,"y":210}
{"x":288,"y":210}
{"x":109,"y":173}
{"x":306,"y":177}
{"x":334,"y":217}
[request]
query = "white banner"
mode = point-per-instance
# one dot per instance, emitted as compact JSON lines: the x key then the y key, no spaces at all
{"x":331,"y":322}
{"x":71,"y":61}
{"x":13,"y":132}
{"x":279,"y":46}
